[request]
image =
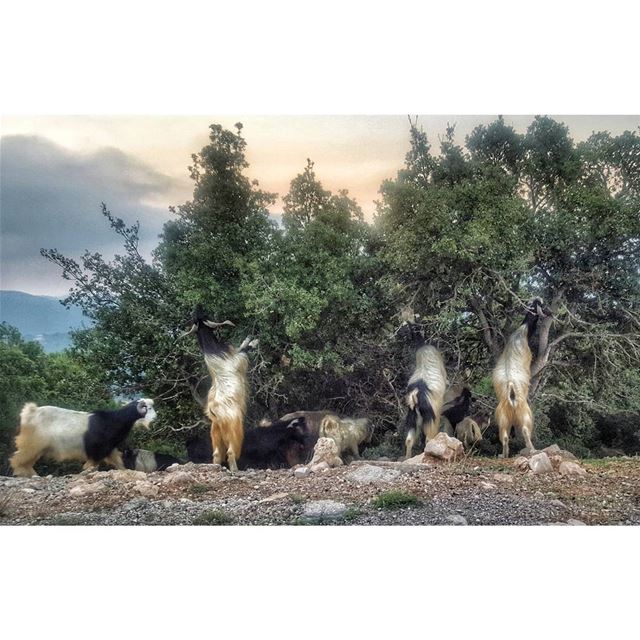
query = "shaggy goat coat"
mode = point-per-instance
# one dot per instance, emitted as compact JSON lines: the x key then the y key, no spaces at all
{"x":347,"y":433}
{"x":425,"y":393}
{"x":511,"y":377}
{"x":227,"y":398}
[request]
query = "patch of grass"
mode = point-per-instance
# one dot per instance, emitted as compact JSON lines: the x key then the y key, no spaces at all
{"x":296,"y":498}
{"x":352,"y":513}
{"x":395,"y":500}
{"x":212,"y":518}
{"x":199,"y":489}
{"x":598,"y":462}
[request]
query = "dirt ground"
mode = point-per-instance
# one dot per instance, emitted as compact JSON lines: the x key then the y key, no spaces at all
{"x":477,"y":491}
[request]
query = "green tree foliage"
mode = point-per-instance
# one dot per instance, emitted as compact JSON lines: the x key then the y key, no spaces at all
{"x":464,"y":238}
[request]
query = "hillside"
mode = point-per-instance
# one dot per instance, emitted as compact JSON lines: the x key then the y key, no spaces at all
{"x":41,"y":318}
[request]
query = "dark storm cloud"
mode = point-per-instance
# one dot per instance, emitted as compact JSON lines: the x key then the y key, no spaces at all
{"x":50,"y":197}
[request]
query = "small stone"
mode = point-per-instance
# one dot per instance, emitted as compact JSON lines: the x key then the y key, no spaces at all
{"x":503,"y":477}
{"x":301,"y":472}
{"x":540,"y":463}
{"x":527,"y":452}
{"x":576,"y":523}
{"x":324,"y":510}
{"x":419,"y":459}
{"x":521,"y":463}
{"x":457,"y":520}
{"x":321,"y":466}
{"x":487,"y":485}
{"x":558,"y":503}
{"x":568,"y":468}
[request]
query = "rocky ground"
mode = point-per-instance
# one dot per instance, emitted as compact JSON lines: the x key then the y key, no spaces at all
{"x":474,"y":491}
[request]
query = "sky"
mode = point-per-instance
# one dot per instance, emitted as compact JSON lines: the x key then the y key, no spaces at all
{"x":56,"y":170}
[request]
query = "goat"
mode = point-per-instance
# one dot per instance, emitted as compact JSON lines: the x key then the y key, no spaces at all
{"x":313,"y":420}
{"x":63,"y":434}
{"x":468,"y":432}
{"x":282,"y":444}
{"x":424,"y":396}
{"x":147,"y":461}
{"x":456,"y":407}
{"x":347,"y":433}
{"x":511,"y":377}
{"x":227,"y":398}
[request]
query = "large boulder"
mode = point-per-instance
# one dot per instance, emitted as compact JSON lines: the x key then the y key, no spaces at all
{"x":444,"y":447}
{"x":540,"y":463}
{"x":325,"y":450}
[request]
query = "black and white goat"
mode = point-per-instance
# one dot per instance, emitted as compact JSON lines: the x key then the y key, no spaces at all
{"x":425,"y":390}
{"x":63,"y":434}
{"x":147,"y":461}
{"x":227,"y":399}
{"x":511,"y":377}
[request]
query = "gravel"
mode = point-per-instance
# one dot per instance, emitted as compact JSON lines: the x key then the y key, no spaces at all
{"x":476,"y":491}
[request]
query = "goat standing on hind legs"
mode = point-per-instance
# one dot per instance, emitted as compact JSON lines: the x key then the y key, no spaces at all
{"x":227,"y":398}
{"x":425,"y":392}
{"x":511,"y":377}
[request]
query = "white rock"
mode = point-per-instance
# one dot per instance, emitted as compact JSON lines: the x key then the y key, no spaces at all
{"x":487,"y":485}
{"x":321,"y":466}
{"x":521,"y":463}
{"x":146,"y":489}
{"x":86,"y":489}
{"x":540,"y":463}
{"x":273,"y":498}
{"x":568,"y":468}
{"x":326,"y":450}
{"x":127,"y":475}
{"x":576,"y":523}
{"x":558,"y":503}
{"x":368,"y":473}
{"x":324,"y":509}
{"x":457,"y":519}
{"x":301,"y":472}
{"x":444,"y":447}
{"x":504,"y":477}
{"x":178,"y":478}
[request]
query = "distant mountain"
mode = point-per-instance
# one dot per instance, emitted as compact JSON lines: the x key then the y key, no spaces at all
{"x":41,"y":318}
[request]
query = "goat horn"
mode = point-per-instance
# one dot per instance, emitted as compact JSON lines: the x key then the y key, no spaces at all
{"x":214,"y":325}
{"x":187,"y":333}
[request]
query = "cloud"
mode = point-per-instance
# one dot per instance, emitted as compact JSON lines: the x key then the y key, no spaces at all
{"x":50,"y":197}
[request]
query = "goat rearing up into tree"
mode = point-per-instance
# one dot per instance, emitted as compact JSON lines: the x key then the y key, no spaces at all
{"x":425,"y":392}
{"x":511,"y":377}
{"x":227,"y":399}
